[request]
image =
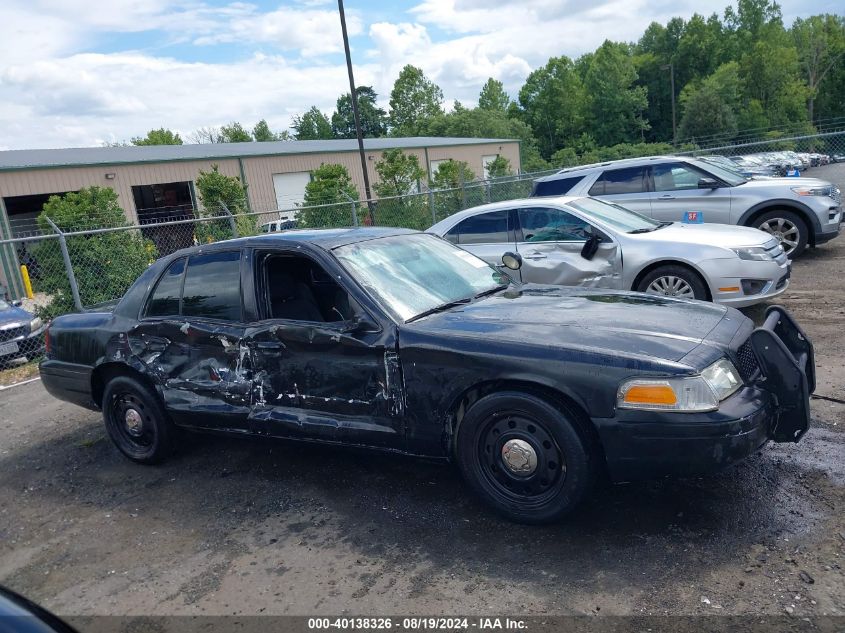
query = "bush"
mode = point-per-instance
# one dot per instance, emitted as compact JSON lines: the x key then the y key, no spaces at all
{"x":105,"y":264}
{"x":218,"y":192}
{"x":327,"y":198}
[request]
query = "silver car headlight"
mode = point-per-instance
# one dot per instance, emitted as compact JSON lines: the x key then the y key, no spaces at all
{"x":35,"y":324}
{"x":813,"y":191}
{"x":753,"y":253}
{"x":685,"y":395}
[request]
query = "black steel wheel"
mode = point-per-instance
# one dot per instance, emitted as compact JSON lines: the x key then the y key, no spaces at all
{"x":524,"y":456}
{"x":136,"y":421}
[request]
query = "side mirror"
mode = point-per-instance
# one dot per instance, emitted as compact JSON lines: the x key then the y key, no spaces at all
{"x":513,"y":261}
{"x":360,"y":323}
{"x":17,"y":303}
{"x":588,"y":251}
{"x":708,"y":183}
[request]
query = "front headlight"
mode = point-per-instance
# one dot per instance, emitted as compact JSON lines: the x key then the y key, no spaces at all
{"x":688,"y":395}
{"x":753,"y":253}
{"x":812,"y":191}
{"x":35,"y":324}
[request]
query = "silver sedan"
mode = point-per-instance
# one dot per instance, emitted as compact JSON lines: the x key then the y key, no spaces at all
{"x":576,"y":241}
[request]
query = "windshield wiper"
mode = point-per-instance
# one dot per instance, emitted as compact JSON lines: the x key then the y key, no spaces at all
{"x":457,"y":302}
{"x":441,"y":308}
{"x":649,"y":229}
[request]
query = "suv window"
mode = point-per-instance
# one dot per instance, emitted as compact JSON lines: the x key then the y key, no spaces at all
{"x":213,"y":286}
{"x":164,"y":300}
{"x":555,"y":187}
{"x":542,"y":224}
{"x":484,"y":228}
{"x":616,"y":181}
{"x":674,"y":177}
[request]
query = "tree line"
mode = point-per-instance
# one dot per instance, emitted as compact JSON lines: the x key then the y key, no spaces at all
{"x":742,"y":73}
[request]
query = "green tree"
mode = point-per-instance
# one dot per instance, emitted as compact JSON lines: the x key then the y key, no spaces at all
{"x":327,"y":198}
{"x":218,"y":193}
{"x":493,"y":96}
{"x":820,"y":43}
{"x":262,"y":133}
{"x":706,"y":114}
{"x":616,"y":104}
{"x":373,"y":119}
{"x":399,"y":176}
{"x":234,"y":132}
{"x":552,"y":102}
{"x":450,"y":185}
{"x":776,"y":85}
{"x":312,"y":125}
{"x":161,"y":136}
{"x":105,"y":264}
{"x":499,"y":167}
{"x":413,"y":100}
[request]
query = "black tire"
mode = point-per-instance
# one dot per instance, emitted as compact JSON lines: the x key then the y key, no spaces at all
{"x":147,"y":438}
{"x":790,"y":223}
{"x":564,"y":464}
{"x":689,"y":282}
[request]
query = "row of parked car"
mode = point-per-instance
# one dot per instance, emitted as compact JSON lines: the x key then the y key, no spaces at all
{"x":674,"y":226}
{"x":773,"y":164}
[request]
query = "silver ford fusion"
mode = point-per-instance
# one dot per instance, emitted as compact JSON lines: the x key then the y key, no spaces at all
{"x":576,"y":241}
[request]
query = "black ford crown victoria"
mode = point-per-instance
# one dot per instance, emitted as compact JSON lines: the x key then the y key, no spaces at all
{"x":400,"y":341}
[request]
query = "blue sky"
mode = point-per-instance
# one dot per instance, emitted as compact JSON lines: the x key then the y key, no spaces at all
{"x":84,"y":72}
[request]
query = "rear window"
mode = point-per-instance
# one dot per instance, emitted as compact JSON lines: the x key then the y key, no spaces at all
{"x":555,"y":187}
{"x":164,"y":300}
{"x":213,"y":286}
{"x":620,"y":181}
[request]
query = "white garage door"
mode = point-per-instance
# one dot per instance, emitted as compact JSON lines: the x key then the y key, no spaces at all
{"x":290,"y":188}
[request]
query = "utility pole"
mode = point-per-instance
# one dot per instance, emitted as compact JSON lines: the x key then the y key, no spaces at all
{"x":354,"y":95}
{"x":671,"y":68}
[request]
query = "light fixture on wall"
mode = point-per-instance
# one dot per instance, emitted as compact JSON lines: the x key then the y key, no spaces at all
{"x":110,"y":176}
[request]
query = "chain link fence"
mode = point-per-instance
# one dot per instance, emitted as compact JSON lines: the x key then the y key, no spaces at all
{"x":86,"y":263}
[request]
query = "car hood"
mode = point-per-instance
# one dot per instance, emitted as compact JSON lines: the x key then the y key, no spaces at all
{"x":725,"y":235}
{"x":618,"y":323}
{"x":786,"y":183}
{"x":14,"y":316}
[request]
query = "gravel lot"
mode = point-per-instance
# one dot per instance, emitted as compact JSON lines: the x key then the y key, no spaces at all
{"x":242,"y":527}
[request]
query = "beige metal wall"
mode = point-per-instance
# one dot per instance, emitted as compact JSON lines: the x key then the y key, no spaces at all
{"x":39,"y":181}
{"x":257,"y":170}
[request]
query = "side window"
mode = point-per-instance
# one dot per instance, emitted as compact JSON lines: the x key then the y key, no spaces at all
{"x":554,"y":186}
{"x":297,"y":288}
{"x":213,"y":286}
{"x":616,"y":181}
{"x":164,"y":300}
{"x":674,"y":177}
{"x":542,"y":224}
{"x":485,"y":228}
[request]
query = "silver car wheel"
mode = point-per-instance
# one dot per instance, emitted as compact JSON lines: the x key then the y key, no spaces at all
{"x":671,"y":286}
{"x":784,"y":230}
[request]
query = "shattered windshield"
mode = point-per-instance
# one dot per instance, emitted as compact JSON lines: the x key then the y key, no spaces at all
{"x":414,"y":274}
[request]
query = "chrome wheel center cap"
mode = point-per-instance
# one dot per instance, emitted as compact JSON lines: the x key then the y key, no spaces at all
{"x":134,"y":422}
{"x":519,"y":457}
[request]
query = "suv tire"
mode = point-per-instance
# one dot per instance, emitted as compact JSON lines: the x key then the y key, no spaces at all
{"x":785,"y":225}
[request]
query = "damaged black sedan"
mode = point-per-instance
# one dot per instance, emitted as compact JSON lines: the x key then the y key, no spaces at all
{"x":399,"y":341}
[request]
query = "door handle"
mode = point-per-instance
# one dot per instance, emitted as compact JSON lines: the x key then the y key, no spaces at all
{"x":269,"y":346}
{"x":536,"y":255}
{"x":666,"y":196}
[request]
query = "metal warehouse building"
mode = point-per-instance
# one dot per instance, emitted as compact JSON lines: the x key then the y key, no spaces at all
{"x":155,"y":183}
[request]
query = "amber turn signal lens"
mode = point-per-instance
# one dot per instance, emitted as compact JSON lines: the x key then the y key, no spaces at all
{"x":651,"y":394}
{"x":729,"y":289}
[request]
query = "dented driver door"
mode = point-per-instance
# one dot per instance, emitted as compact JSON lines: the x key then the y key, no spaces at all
{"x":332,"y":382}
{"x":550,"y":242}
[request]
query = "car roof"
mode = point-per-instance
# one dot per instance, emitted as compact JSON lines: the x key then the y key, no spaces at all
{"x":625,"y":162}
{"x":505,"y":204}
{"x":327,"y":239}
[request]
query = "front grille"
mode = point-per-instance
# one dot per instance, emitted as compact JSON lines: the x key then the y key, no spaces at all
{"x":12,"y":333}
{"x":775,"y":250}
{"x":781,"y":283}
{"x":746,"y":363}
{"x":836,"y":194}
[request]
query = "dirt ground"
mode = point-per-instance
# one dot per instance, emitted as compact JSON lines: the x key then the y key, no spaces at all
{"x":245,"y":527}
